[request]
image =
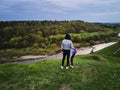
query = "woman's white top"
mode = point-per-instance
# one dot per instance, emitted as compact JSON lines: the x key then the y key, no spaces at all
{"x":67,"y":44}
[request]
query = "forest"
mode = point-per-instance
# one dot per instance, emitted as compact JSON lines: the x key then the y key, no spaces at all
{"x":44,"y":37}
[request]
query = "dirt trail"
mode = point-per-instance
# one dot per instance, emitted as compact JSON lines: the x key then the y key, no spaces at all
{"x":80,"y":51}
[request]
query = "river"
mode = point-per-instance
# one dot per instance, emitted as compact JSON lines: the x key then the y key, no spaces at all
{"x":80,"y":51}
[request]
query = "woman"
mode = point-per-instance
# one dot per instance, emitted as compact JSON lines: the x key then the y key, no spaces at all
{"x":66,"y":46}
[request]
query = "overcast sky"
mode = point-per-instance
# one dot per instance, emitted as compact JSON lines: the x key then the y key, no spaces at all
{"x":86,"y":10}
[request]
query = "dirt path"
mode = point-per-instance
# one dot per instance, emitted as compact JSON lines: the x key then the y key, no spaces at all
{"x":80,"y":51}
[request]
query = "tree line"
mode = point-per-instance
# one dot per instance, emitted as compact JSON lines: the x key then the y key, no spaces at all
{"x":23,"y":34}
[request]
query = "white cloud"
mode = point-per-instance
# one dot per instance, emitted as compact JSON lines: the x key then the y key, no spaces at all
{"x":104,"y":14}
{"x":60,"y":5}
{"x":11,"y":5}
{"x":80,"y":3}
{"x":63,"y":3}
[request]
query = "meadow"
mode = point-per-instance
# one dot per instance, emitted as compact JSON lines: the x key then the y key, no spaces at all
{"x":97,"y":71}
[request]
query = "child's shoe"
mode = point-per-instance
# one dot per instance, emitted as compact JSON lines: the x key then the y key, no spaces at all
{"x":71,"y":66}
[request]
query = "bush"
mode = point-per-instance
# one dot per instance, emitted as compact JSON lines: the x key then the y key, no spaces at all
{"x":36,"y":45}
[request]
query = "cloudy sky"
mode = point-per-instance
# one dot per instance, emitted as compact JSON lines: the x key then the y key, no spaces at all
{"x":86,"y":10}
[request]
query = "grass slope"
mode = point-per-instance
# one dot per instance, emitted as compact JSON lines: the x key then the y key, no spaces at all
{"x":92,"y":72}
{"x":108,"y":53}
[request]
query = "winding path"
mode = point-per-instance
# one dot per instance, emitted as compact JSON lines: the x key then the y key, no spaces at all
{"x":80,"y":51}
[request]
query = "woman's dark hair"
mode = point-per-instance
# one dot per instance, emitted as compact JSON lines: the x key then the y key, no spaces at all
{"x":67,"y":36}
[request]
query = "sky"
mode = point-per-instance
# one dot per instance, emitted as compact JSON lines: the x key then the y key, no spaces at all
{"x":85,"y":10}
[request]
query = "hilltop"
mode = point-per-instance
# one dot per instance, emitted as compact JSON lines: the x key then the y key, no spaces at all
{"x":97,"y":71}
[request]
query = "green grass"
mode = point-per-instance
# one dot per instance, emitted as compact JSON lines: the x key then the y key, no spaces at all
{"x":92,"y":72}
{"x":108,"y":53}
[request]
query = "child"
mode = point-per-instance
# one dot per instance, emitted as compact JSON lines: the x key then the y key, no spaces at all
{"x":72,"y":54}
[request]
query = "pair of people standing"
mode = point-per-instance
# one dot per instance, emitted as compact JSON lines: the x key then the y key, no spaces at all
{"x":69,"y":51}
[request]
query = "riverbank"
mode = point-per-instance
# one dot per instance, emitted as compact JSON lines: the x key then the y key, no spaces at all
{"x":80,"y":51}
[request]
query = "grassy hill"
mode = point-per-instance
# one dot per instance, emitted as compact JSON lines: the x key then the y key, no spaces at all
{"x":109,"y":53}
{"x":97,"y":71}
